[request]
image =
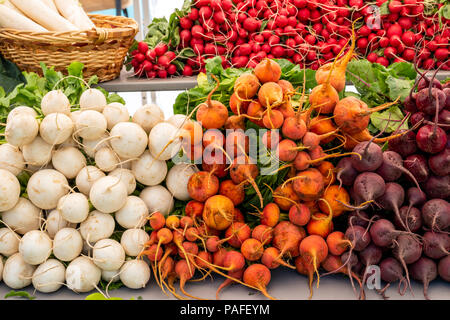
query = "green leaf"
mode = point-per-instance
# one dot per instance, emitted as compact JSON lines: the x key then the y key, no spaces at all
{"x":21,"y":294}
{"x":99,"y":296}
{"x":384,"y":9}
{"x":399,"y":87}
{"x":76,"y":69}
{"x":389,"y":119}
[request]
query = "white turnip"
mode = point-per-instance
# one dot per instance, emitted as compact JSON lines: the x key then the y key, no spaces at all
{"x":11,"y":159}
{"x":37,"y":153}
{"x":82,"y":275}
{"x":74,"y":207}
{"x":69,"y":161}
{"x":56,"y":222}
{"x":126,"y":177}
{"x":108,"y":254}
{"x":93,"y":99}
{"x":9,"y":242}
{"x":164,"y":141}
{"x":115,"y":113}
{"x":23,"y":217}
{"x":106,"y":159}
{"x":157,"y":198}
{"x":56,"y":128}
{"x":21,"y":129}
{"x":177,"y":180}
{"x":90,"y":125}
{"x":108,"y":194}
{"x":49,"y":276}
{"x":148,"y":116}
{"x":46,"y":187}
{"x":133,"y":241}
{"x":35,"y":247}
{"x":133,"y":214}
{"x":55,"y":101}
{"x":148,"y":170}
{"x":67,"y":244}
{"x":16,"y":272}
{"x":91,"y":146}
{"x":20,"y":110}
{"x":135,"y":274}
{"x":128,"y":140}
{"x":97,"y":226}
{"x":86,"y":178}
{"x":9,"y":190}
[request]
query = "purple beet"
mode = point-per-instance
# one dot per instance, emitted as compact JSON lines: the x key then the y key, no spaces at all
{"x":371,"y":156}
{"x":429,"y":103}
{"x":358,"y":218}
{"x":431,"y":139}
{"x":358,"y":236}
{"x":391,"y":270}
{"x":436,"y":214}
{"x":417,"y":165}
{"x":392,"y":199}
{"x":410,"y":103}
{"x":392,"y":167}
{"x":405,"y":144}
{"x":444,"y":119}
{"x":438,"y":187}
{"x":371,"y":255}
{"x":415,"y":196}
{"x":424,"y":83}
{"x":440,"y":163}
{"x":447,"y":95}
{"x":407,"y":250}
{"x":436,"y":245}
{"x":346,"y":173}
{"x":411,"y":217}
{"x":418,"y":117}
{"x":424,"y":270}
{"x":383,"y":233}
{"x":444,"y":268}
{"x":368,"y":186}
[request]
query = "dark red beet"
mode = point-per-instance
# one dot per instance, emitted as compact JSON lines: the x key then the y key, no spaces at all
{"x":405,"y":145}
{"x":424,"y":270}
{"x":436,"y":214}
{"x":424,"y":82}
{"x":371,"y":156}
{"x":411,"y":217}
{"x":427,"y":103}
{"x":440,"y":163}
{"x":415,"y":196}
{"x":447,"y":100}
{"x":392,"y":199}
{"x":382,"y":233}
{"x":358,"y":218}
{"x":431,"y":139}
{"x":346,"y":173}
{"x":418,"y":117}
{"x":410,"y":104}
{"x":371,"y":255}
{"x":391,"y":270}
{"x":369,"y":186}
{"x":438,"y":187}
{"x":444,"y":119}
{"x":351,"y":257}
{"x":407,"y":248}
{"x":436,"y":245}
{"x":444,"y":268}
{"x":392,"y":167}
{"x":358,"y":236}
{"x":417,"y":165}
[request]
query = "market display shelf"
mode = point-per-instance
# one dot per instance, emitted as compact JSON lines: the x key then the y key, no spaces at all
{"x":285,"y":285}
{"x":127,"y":82}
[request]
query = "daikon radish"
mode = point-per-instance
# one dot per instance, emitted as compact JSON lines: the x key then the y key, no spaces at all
{"x":12,"y":19}
{"x":42,"y":14}
{"x":72,"y":11}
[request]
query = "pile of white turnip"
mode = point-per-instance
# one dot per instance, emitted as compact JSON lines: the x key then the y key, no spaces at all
{"x":94,"y":170}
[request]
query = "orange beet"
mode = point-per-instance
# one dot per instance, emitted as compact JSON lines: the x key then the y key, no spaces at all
{"x":299,"y":214}
{"x":238,"y":106}
{"x":333,"y":194}
{"x":218,"y":212}
{"x":234,"y":192}
{"x":309,"y":184}
{"x":212,"y":114}
{"x":213,"y":138}
{"x":258,"y":276}
{"x":273,"y":119}
{"x":270,"y":94}
{"x":324,"y":98}
{"x":263,"y":233}
{"x":270,"y":215}
{"x":326,"y":168}
{"x":294,"y":128}
{"x":321,"y":125}
{"x":320,"y":224}
{"x":337,"y":244}
{"x":246,"y":86}
{"x":256,"y":113}
{"x":244,"y":170}
{"x":235,"y":123}
{"x":267,"y":71}
{"x":271,"y":138}
{"x":286,"y":237}
{"x":202,"y":185}
{"x":237,"y":233}
{"x":288,"y":88}
{"x":285,"y":196}
{"x":194,"y":209}
{"x":252,"y":249}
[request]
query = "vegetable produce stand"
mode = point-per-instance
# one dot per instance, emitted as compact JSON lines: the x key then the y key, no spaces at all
{"x":126,"y":82}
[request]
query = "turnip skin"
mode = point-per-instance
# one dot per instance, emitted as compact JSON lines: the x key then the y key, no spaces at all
{"x":110,"y":276}
{"x":23,"y":217}
{"x":133,"y":241}
{"x":157,"y":198}
{"x":135,"y":274}
{"x":148,"y":170}
{"x":82,"y":275}
{"x":177,"y":180}
{"x":93,"y":99}
{"x":91,"y":146}
{"x":21,"y":110}
{"x":22,"y":129}
{"x":108,"y":194}
{"x":133,"y":214}
{"x":128,"y":140}
{"x":17,"y":273}
{"x":86,"y":178}
{"x":69,"y":161}
{"x":97,"y":226}
{"x":49,"y":276}
{"x":164,"y":141}
{"x":56,"y":222}
{"x":115,"y":113}
{"x":56,"y":128}
{"x":9,"y":190}
{"x":11,"y":159}
{"x":148,"y":116}
{"x":9,"y":242}
{"x":67,"y":244}
{"x":126,"y":177}
{"x":35,"y":247}
{"x":55,"y":101}
{"x":90,"y":125}
{"x":38,"y":153}
{"x":106,"y":159}
{"x":108,"y":254}
{"x":46,"y":187}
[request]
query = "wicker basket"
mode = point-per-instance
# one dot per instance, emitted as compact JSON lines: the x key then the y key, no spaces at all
{"x":101,"y":50}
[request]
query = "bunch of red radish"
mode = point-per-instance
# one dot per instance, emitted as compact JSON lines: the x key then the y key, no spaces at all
{"x":154,"y":63}
{"x":310,"y":33}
